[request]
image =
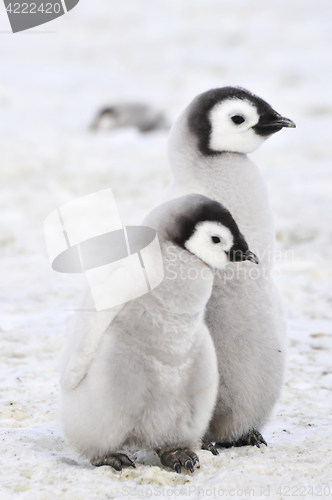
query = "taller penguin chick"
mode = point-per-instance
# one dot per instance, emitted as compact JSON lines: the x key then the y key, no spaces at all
{"x":208,"y":147}
{"x":153,"y":379}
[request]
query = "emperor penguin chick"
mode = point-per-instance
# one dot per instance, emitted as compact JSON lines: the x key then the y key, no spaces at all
{"x":153,"y":379}
{"x":208,"y":148}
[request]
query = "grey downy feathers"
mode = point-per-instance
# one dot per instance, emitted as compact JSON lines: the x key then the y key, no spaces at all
{"x":152,"y":379}
{"x":208,"y":148}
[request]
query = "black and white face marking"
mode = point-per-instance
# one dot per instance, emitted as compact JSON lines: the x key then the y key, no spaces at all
{"x":211,"y":242}
{"x":232,"y":123}
{"x":207,"y":230}
{"x":215,"y":245}
{"x":231,"y":119}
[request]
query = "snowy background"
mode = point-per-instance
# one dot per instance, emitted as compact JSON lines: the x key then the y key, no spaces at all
{"x":53,"y":80}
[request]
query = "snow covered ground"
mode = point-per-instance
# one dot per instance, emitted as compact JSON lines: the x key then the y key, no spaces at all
{"x":53,"y":80}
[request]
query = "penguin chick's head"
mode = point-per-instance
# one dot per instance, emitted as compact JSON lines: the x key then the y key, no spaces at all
{"x":208,"y":230}
{"x":231,"y":119}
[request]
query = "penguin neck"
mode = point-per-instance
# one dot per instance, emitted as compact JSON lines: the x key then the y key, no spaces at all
{"x":187,"y":281}
{"x":188,"y":164}
{"x":172,"y":313}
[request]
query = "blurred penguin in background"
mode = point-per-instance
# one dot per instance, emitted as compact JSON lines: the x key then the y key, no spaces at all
{"x":141,"y":116}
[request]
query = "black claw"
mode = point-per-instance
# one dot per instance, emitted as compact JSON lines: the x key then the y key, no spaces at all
{"x":177,"y":467}
{"x":126,"y":460}
{"x":189,"y":465}
{"x":170,"y":459}
{"x":260,"y":438}
{"x":253,"y":441}
{"x":109,"y":460}
{"x":116,"y":461}
{"x":206,"y":445}
{"x":253,"y":438}
{"x":193,"y":457}
{"x":177,"y":459}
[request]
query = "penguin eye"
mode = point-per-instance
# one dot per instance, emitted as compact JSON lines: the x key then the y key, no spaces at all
{"x":237,"y":119}
{"x":215,"y":239}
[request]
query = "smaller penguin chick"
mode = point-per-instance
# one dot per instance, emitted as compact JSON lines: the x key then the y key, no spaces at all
{"x":154,"y":377}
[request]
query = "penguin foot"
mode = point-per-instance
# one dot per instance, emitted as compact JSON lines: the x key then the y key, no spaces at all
{"x":206,"y":445}
{"x":116,"y":460}
{"x":252,"y":438}
{"x":255,"y":438}
{"x":181,"y":457}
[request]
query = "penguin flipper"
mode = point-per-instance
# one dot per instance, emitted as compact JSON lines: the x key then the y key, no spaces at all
{"x":84,"y":340}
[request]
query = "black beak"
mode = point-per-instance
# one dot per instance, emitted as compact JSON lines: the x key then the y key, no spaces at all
{"x":239,"y":256}
{"x":273,"y":125}
{"x":286,"y":122}
{"x":248,"y":255}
